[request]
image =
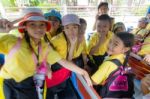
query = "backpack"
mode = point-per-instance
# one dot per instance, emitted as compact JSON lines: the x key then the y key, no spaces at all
{"x":119,"y":84}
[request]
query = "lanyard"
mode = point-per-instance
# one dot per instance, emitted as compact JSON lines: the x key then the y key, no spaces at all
{"x":36,"y":56}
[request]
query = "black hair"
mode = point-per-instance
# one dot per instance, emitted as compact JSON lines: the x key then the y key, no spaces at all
{"x":83,"y":21}
{"x":127,"y":38}
{"x":27,"y":38}
{"x":103,"y":4}
{"x":104,"y":17}
{"x":59,"y":30}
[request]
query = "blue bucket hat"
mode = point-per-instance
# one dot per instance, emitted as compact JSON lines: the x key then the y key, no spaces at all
{"x":53,"y":13}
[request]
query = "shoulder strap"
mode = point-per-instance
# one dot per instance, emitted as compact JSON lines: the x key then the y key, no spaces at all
{"x":138,"y":31}
{"x":145,"y":36}
{"x":116,"y":62}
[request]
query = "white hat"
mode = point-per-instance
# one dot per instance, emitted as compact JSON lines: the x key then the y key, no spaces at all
{"x":32,"y":14}
{"x":70,"y":19}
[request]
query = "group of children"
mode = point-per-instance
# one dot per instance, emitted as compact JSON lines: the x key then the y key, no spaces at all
{"x":54,"y":46}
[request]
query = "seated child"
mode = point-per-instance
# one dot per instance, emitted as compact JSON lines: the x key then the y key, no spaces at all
{"x":118,"y":47}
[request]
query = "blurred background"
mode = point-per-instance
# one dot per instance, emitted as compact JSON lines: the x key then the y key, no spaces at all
{"x":127,"y":11}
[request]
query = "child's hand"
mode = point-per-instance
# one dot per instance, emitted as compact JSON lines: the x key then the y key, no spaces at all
{"x":87,"y":78}
{"x":49,"y":72}
{"x":5,"y":25}
{"x":73,"y":40}
{"x":145,"y":84}
{"x":147,"y":58}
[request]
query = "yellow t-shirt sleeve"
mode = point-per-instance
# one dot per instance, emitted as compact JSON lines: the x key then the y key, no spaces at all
{"x":103,"y":72}
{"x":7,"y":42}
{"x":60,"y":45}
{"x":53,"y":56}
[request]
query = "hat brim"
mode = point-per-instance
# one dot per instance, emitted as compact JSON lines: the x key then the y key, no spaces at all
{"x":34,"y":18}
{"x":67,"y":23}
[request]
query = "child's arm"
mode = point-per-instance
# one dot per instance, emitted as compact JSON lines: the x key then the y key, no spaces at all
{"x":6,"y":26}
{"x":71,"y":52}
{"x":94,"y":26}
{"x":145,"y":84}
{"x":147,"y":58}
{"x":76,"y":69}
{"x":72,"y":47}
{"x":101,"y":40}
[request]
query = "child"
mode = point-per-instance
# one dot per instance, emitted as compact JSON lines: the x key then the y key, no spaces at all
{"x":119,"y":27}
{"x":120,"y":44}
{"x":145,"y":50}
{"x":102,"y":9}
{"x":81,"y":38}
{"x":29,"y":52}
{"x":98,"y":42}
{"x":69,"y":51}
{"x":55,"y":18}
{"x":145,"y":53}
{"x":141,"y":30}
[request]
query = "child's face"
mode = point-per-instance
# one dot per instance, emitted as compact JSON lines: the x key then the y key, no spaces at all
{"x":36,"y":29}
{"x":116,"y":46}
{"x":71,"y":30}
{"x":102,"y":26}
{"x":103,"y":10}
{"x":54,"y":22}
{"x":141,"y":23}
{"x":120,"y":29}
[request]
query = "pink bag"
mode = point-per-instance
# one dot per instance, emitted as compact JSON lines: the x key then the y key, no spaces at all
{"x":119,"y":84}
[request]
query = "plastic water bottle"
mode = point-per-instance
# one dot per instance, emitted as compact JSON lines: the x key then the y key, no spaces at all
{"x":39,"y":78}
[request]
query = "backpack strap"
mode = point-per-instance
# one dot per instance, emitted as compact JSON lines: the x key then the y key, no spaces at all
{"x":116,"y":62}
{"x":119,"y":64}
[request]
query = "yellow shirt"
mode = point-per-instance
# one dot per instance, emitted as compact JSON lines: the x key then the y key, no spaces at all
{"x":48,"y":35}
{"x":148,"y":26}
{"x":21,"y":65}
{"x":94,"y":40}
{"x":60,"y":44}
{"x":1,"y":88}
{"x":106,"y":69}
{"x":145,"y":49}
{"x":139,"y":31}
{"x":80,"y":49}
